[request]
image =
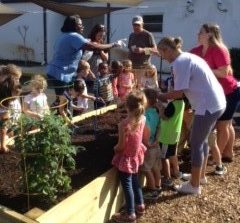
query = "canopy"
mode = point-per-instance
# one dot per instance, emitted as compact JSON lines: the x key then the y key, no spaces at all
{"x":124,"y":2}
{"x":70,"y":9}
{"x":7,"y":14}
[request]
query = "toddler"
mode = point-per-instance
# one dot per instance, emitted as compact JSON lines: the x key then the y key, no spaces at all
{"x":150,"y":79}
{"x":9,"y":106}
{"x":103,"y":86}
{"x":125,"y":80}
{"x":35,"y":103}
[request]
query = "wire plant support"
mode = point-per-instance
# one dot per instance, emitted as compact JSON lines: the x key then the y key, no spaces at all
{"x":220,"y":6}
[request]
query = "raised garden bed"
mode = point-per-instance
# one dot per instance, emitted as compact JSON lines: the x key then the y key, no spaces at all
{"x":94,"y":139}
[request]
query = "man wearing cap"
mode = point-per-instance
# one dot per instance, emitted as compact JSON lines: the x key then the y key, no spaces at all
{"x":141,"y":45}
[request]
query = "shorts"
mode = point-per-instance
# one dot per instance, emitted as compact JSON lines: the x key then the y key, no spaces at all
{"x":232,"y":102}
{"x":58,"y":86}
{"x":167,"y":150}
{"x":212,"y":138}
{"x":152,"y":157}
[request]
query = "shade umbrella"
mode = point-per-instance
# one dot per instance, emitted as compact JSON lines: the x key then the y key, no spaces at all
{"x":70,"y":9}
{"x":123,"y":2}
{"x":7,"y":14}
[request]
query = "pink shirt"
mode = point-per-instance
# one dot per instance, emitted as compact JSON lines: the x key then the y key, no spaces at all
{"x":125,"y":79}
{"x":218,"y":57}
{"x":115,"y":86}
{"x":132,"y":156}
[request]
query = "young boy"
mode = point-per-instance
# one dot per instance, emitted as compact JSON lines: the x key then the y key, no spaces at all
{"x":103,"y":87}
{"x":151,"y":165}
{"x":170,"y":129}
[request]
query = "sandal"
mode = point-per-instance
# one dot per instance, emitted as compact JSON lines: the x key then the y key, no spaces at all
{"x":124,"y":217}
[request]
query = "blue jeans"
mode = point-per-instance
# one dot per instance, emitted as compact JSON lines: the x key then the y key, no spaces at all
{"x":132,"y":190}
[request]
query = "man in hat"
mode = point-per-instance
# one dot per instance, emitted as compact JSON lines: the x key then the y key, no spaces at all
{"x":141,"y":45}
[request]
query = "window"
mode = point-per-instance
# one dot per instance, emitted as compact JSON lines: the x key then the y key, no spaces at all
{"x":153,"y":23}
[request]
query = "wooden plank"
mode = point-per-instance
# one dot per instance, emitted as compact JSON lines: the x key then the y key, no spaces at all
{"x":95,"y":202}
{"x":34,"y":213}
{"x":9,"y":216}
{"x":93,"y":113}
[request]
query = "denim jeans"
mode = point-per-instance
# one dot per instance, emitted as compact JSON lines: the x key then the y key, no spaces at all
{"x":132,"y":190}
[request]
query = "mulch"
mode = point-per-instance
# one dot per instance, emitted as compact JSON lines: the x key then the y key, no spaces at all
{"x":219,"y":201}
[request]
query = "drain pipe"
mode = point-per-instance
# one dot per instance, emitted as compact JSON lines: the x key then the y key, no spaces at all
{"x":45,"y":35}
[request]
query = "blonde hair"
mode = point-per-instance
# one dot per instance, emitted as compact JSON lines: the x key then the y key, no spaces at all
{"x":83,"y":65}
{"x":38,"y":82}
{"x":127,"y":65}
{"x":153,"y":70}
{"x":215,"y":38}
{"x":170,"y":42}
{"x":136,"y":103}
{"x":11,"y":70}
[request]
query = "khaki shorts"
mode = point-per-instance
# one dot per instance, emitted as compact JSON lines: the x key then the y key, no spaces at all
{"x":212,"y":138}
{"x":152,"y":157}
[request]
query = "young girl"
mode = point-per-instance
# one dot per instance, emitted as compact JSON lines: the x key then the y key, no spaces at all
{"x":9,"y":91}
{"x":150,"y":79}
{"x":116,"y":69}
{"x":125,"y":80}
{"x":35,"y":104}
{"x":151,"y":165}
{"x":129,"y":155}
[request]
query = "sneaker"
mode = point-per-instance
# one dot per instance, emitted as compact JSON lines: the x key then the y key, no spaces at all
{"x":151,"y":195}
{"x":167,"y":182}
{"x":187,"y":177}
{"x":140,"y":209}
{"x":187,"y":188}
{"x":178,"y":175}
{"x":220,"y":170}
{"x":124,"y":217}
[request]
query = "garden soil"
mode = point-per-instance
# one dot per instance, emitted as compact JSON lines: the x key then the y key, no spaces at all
{"x":94,"y":139}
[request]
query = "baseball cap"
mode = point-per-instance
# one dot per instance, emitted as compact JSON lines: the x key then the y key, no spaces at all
{"x":137,"y":20}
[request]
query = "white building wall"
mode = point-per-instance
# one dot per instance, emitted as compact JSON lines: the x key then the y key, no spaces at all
{"x":176,"y":22}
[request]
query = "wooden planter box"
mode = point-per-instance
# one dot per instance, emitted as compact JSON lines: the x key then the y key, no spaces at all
{"x":94,"y":203}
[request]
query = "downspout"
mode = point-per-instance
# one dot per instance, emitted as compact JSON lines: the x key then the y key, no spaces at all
{"x":45,"y":35}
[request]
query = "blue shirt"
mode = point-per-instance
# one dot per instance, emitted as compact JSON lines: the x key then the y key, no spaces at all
{"x":67,"y":54}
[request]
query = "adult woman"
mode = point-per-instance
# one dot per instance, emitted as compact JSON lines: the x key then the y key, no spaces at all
{"x":67,"y":54}
{"x":97,"y":35}
{"x":215,"y":53}
{"x":194,"y":79}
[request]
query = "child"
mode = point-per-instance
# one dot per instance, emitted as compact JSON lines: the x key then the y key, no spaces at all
{"x":170,"y":129}
{"x":84,"y":72}
{"x":125,"y":80}
{"x":116,"y":69}
{"x":35,"y":104}
{"x":103,"y":86}
{"x":151,"y":165}
{"x":129,"y":155}
{"x":150,"y":79}
{"x":9,"y":91}
{"x":10,"y":70}
{"x":81,"y":96}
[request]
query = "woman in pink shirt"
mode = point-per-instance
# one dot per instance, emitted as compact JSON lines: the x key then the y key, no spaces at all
{"x":216,"y":54}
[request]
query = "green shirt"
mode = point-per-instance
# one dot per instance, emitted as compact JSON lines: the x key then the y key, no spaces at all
{"x":171,"y":127}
